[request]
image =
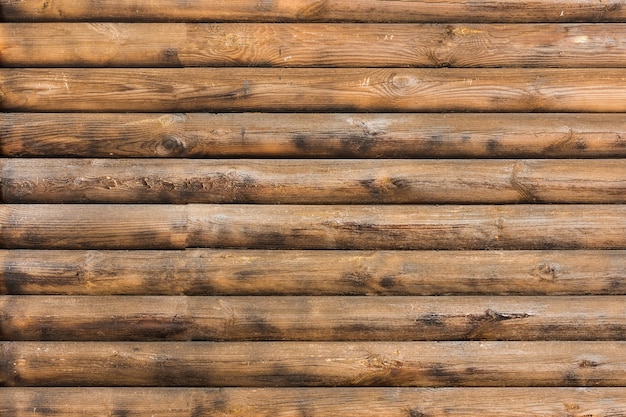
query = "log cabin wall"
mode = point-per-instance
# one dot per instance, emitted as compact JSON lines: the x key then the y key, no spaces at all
{"x":313,"y":208}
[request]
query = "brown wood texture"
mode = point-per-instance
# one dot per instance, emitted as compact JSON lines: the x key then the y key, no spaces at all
{"x":271,"y":402}
{"x":309,"y":364}
{"x":316,"y":10}
{"x":321,"y":135}
{"x":301,"y":181}
{"x":143,"y":226}
{"x":311,"y":45}
{"x":294,"y":272}
{"x":408,"y":227}
{"x":102,"y":226}
{"x":299,"y":318}
{"x":313,"y":89}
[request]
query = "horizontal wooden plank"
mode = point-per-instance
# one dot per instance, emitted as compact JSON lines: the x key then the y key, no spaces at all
{"x":301,"y":181}
{"x":313,"y":89}
{"x":311,"y":45}
{"x":316,"y":10}
{"x":333,"y":364}
{"x":392,"y":402}
{"x":202,"y":135}
{"x":102,"y":226}
{"x":122,"y":318}
{"x":292,"y":272}
{"x":144,"y":226}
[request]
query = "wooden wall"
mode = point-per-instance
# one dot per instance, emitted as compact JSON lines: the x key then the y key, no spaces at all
{"x":313,"y":208}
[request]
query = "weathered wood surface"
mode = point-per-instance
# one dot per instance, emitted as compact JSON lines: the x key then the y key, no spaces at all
{"x":294,"y":272}
{"x":301,"y":181}
{"x":118,"y":318}
{"x":272,"y":402}
{"x":322,"y":135}
{"x":101,"y":226}
{"x":316,"y":10}
{"x":308,"y":364}
{"x":313,"y":89}
{"x":311,"y":45}
{"x":145,"y":226}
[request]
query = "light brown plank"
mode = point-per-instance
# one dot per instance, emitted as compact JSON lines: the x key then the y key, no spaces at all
{"x":378,"y":227}
{"x":299,"y":181}
{"x":316,"y":10}
{"x":102,"y":226}
{"x":392,"y":402}
{"x":201,"y":135}
{"x":121,"y":318}
{"x":293,"y":272}
{"x":318,"y":89}
{"x":311,"y":45}
{"x":292,"y":364}
{"x":408,"y":227}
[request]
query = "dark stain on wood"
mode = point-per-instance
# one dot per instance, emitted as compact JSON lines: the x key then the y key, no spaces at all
{"x":442,"y":375}
{"x":432,"y":320}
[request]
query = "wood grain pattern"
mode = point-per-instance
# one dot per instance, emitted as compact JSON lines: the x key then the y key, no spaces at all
{"x":408,"y":227}
{"x":120,"y":318}
{"x":322,"y":135}
{"x":392,"y":402}
{"x":293,"y":272}
{"x":317,"y":89}
{"x":144,"y":226}
{"x":316,"y":10}
{"x":102,"y":226}
{"x":308,"y":364}
{"x":301,"y":181}
{"x":311,"y":45}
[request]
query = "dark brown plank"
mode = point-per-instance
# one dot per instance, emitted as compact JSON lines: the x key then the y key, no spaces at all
{"x":299,"y":181}
{"x":312,"y":45}
{"x":201,"y":135}
{"x":270,"y":402}
{"x":332,"y":364}
{"x":316,"y":10}
{"x":317,"y":89}
{"x":293,"y":272}
{"x":313,"y":227}
{"x":121,"y":318}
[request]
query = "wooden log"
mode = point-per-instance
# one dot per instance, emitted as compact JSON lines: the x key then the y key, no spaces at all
{"x":292,"y":272}
{"x":312,"y":45}
{"x":312,"y":181}
{"x":313,"y":89}
{"x":102,"y":226}
{"x":312,"y":227}
{"x":408,"y":227}
{"x":315,"y":10}
{"x":308,"y":364}
{"x":120,"y":318}
{"x":392,"y":402}
{"x":324,"y":135}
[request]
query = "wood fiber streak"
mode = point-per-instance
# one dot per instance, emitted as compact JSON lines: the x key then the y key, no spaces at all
{"x":312,"y":45}
{"x":271,"y":402}
{"x":299,"y":181}
{"x":315,"y":10}
{"x":305,"y":89}
{"x":201,"y":135}
{"x":293,"y":272}
{"x":112,"y":318}
{"x":308,"y":364}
